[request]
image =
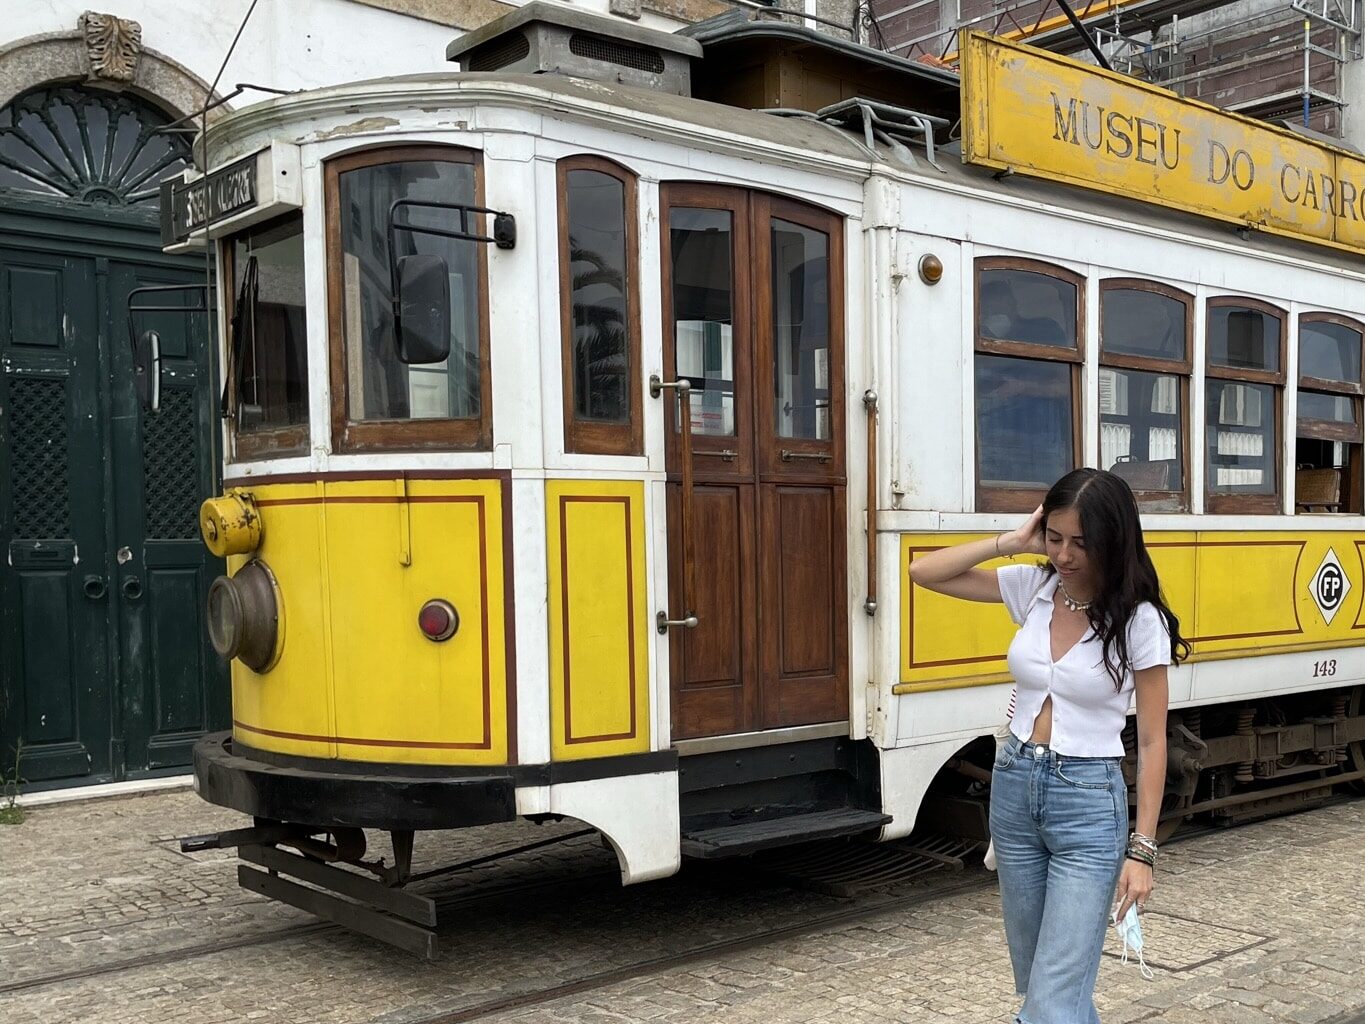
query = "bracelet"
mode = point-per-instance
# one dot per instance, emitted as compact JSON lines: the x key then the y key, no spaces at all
{"x":1146,"y":843}
{"x":998,"y":552}
{"x":1142,"y":849}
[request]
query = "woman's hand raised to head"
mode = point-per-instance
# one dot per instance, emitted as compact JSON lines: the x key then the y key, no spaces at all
{"x":952,"y":570}
{"x":1027,"y":539}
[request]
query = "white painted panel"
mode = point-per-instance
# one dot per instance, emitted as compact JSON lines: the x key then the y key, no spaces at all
{"x":638,"y":814}
{"x":933,"y":357}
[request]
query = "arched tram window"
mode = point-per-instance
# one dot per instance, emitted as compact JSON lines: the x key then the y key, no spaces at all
{"x":93,"y":146}
{"x":1243,"y":398}
{"x":1146,"y":336}
{"x":1028,"y":362}
{"x":1328,"y":472}
{"x":598,"y":280}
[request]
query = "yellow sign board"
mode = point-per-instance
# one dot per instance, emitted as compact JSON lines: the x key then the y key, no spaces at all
{"x":1037,"y":113}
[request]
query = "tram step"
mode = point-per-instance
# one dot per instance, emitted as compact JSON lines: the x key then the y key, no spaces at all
{"x":751,"y":836}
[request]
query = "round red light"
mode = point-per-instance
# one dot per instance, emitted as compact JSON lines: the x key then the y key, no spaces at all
{"x":438,"y":620}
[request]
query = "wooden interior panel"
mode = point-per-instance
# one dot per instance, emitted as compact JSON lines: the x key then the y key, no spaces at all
{"x":713,"y":661}
{"x":804,"y":574}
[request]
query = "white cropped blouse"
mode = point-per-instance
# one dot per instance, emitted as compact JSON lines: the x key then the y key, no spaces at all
{"x":1088,"y":714}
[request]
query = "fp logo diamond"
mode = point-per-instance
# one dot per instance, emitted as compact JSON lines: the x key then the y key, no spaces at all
{"x":1329,"y":586}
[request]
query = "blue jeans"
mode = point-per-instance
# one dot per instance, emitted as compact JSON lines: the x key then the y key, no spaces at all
{"x":1060,"y":827}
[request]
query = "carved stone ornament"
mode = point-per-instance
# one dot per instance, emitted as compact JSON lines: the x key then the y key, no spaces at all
{"x":113,"y":46}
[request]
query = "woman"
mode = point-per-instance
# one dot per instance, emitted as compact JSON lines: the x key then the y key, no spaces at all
{"x":1093,"y":629}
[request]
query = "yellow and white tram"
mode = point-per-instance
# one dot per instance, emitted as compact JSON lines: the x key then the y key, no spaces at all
{"x":579,"y":436}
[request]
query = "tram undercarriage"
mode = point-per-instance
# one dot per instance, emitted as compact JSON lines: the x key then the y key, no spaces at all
{"x":1226,"y":763}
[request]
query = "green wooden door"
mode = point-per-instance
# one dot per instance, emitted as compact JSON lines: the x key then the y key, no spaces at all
{"x":55,"y":594}
{"x":172,"y":686}
{"x":105,"y":671}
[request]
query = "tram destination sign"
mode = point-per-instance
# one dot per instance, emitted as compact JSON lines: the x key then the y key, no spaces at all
{"x":204,"y":200}
{"x":1033,"y":112}
{"x":232,"y":197}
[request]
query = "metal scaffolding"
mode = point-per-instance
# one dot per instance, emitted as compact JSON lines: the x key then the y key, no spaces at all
{"x":1283,"y":61}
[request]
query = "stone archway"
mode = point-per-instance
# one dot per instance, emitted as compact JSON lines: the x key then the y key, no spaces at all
{"x":102,"y":52}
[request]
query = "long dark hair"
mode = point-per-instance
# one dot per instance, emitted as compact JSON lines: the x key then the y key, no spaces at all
{"x":1124,"y":572}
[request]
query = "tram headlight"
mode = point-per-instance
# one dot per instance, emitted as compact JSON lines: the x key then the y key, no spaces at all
{"x":244,"y":616}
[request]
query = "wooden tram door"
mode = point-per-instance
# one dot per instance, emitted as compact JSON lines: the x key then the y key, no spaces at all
{"x":753,"y":320}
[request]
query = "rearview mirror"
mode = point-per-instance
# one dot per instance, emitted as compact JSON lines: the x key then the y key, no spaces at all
{"x":422,"y":309}
{"x":147,"y":370}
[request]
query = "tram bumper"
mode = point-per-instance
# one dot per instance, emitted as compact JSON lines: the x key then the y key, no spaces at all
{"x":349,"y":794}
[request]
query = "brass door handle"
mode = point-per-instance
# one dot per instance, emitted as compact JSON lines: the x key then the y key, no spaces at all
{"x":790,"y":456}
{"x":664,"y":623}
{"x":658,"y":384}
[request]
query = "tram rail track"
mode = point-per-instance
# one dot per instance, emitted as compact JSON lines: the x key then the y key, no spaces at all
{"x":707,"y":951}
{"x":864,"y":908}
{"x":305,"y":929}
{"x":978,"y":881}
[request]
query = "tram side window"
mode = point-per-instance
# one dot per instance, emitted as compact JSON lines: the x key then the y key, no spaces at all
{"x":598,"y":288}
{"x":701,"y":245}
{"x":268,"y":348}
{"x":387,"y":402}
{"x":801,"y":331}
{"x":1243,"y":393}
{"x":1145,"y":342}
{"x":1028,"y":357}
{"x":1327,"y":476}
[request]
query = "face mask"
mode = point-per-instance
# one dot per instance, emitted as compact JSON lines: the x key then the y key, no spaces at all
{"x":1131,"y":932}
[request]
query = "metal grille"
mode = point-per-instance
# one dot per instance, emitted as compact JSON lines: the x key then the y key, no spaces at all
{"x":39,"y":468}
{"x":612,"y":51}
{"x":95,"y":146}
{"x":499,"y":55}
{"x":170,"y":468}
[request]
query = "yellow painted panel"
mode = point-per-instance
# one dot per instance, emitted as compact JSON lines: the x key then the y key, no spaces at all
{"x":598,"y":618}
{"x":1176,"y":559}
{"x":1260,"y":591}
{"x":288,"y":710}
{"x":942,"y":637}
{"x":1042,"y":114}
{"x":399,"y":696}
{"x":1246,"y":590}
{"x":1235,"y":593}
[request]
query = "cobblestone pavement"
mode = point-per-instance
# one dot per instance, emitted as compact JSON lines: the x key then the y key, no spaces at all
{"x":1261,"y":924}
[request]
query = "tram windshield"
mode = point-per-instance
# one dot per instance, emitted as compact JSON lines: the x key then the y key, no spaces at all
{"x":379,"y":385}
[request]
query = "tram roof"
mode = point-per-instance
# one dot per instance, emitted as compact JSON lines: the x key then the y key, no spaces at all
{"x":812,"y":140}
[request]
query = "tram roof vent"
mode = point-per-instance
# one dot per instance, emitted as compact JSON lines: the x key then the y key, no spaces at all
{"x":544,"y":38}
